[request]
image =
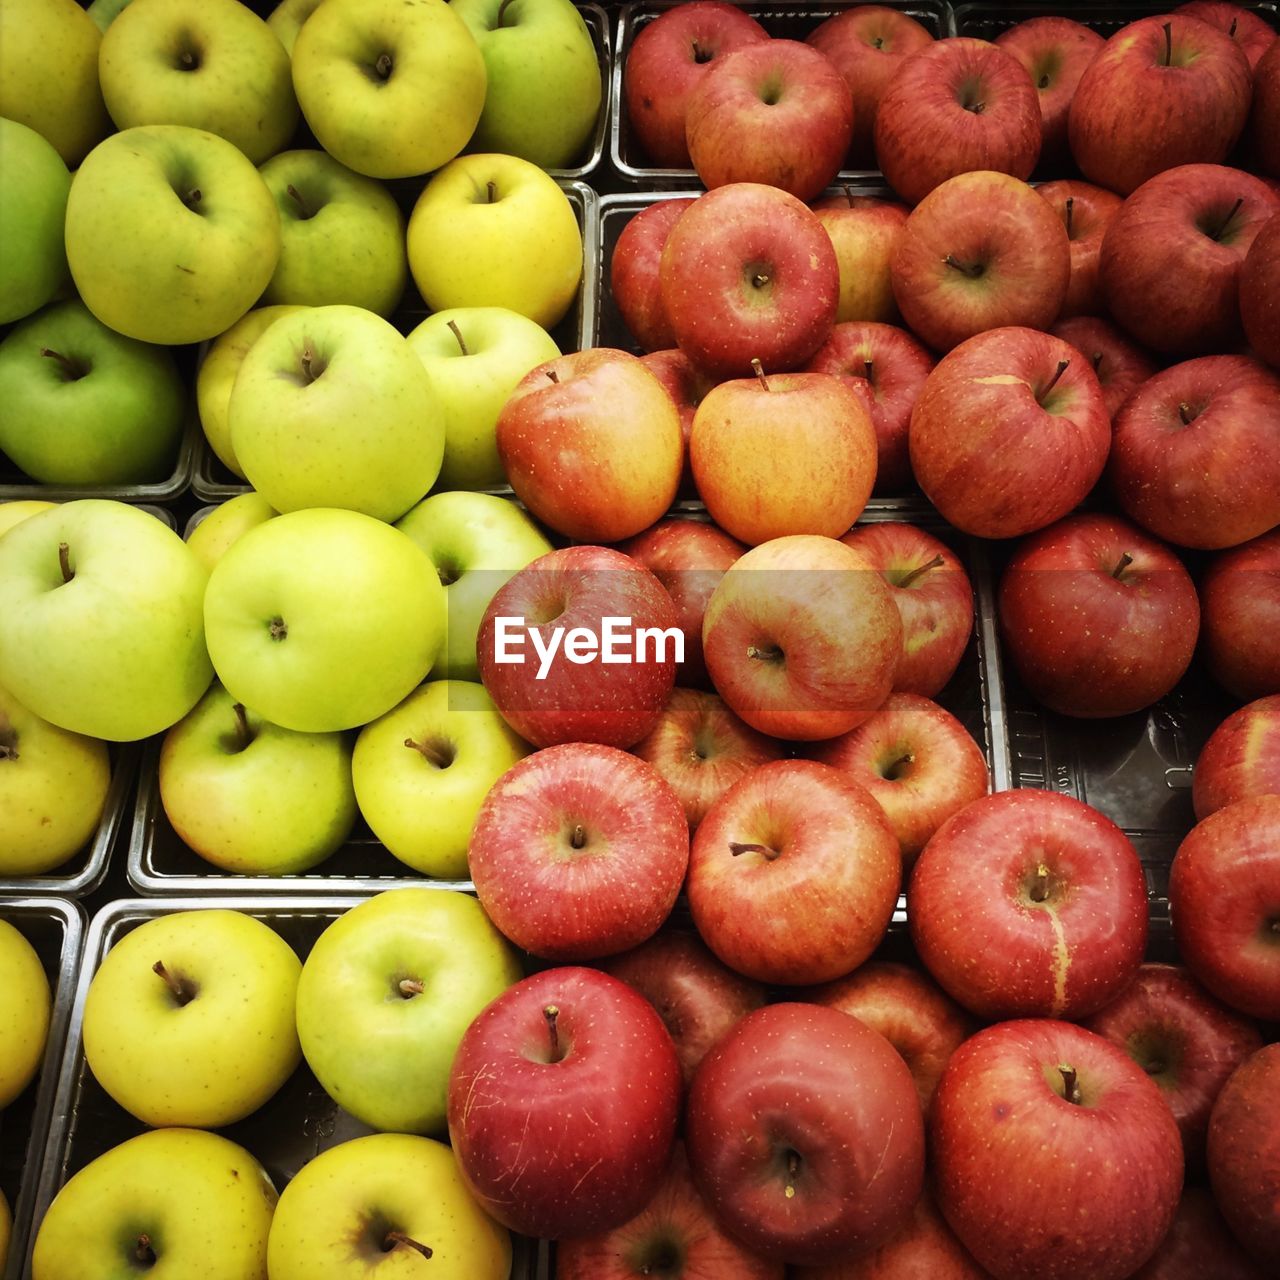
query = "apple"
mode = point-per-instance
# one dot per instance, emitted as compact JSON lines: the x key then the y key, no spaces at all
{"x":687,"y":387}
{"x":1029,"y":904}
{"x":1191,"y":456}
{"x":226,"y":524}
{"x":1224,"y":897}
{"x":33,"y":206}
{"x":285,"y":19}
{"x":669,"y":57}
{"x":1260,"y":291}
{"x":864,"y":232}
{"x":204,"y":233}
{"x":812,"y":1165}
{"x":982,"y":250}
{"x":1164,"y":91}
{"x":15,"y":511}
{"x":1199,"y":1244}
{"x":1009,"y":433}
{"x":634,"y":281}
{"x":406,"y":970}
{"x":976,"y":96}
{"x":25,"y":1010}
{"x":1264,"y":133}
{"x":189,"y":1018}
{"x":1046,"y":1110}
{"x":793,"y":874}
{"x":918,"y":762}
{"x":556,"y":1132}
{"x":1240,"y":603}
{"x":1086,"y":212}
{"x":105,"y":12}
{"x":749,"y":273}
{"x":1120,"y":365}
{"x":1240,"y":760}
{"x":390,"y":90}
{"x":1248,"y":29}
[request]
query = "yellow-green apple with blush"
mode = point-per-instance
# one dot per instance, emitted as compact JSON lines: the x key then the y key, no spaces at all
{"x":287,"y":17}
{"x":189,"y":1018}
{"x":864,"y":231}
{"x":253,"y":798}
{"x":226,"y":524}
{"x":102,"y":631}
{"x":324,"y":619}
{"x":210,"y":64}
{"x":422,"y":771}
{"x":491,"y":230}
{"x":474,"y":357}
{"x":389,"y":89}
{"x":1240,"y":759}
{"x":33,"y":206}
{"x":17,"y":510}
{"x":1260,"y":293}
{"x":1240,"y":603}
{"x":1086,"y":212}
{"x":1121,"y":366}
{"x":25,"y":1009}
{"x":634,"y":281}
{"x":205,"y":234}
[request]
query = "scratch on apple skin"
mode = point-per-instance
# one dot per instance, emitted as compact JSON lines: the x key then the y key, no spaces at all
{"x":884,"y":1155}
{"x":189,"y":270}
{"x":1061,"y":963}
{"x":585,"y":1175}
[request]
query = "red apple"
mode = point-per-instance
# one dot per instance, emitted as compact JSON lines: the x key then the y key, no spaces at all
{"x":633,"y":272}
{"x":1199,"y":1245}
{"x":1121,"y":366}
{"x":918,"y":762}
{"x":555,"y":1129}
{"x":867,"y":45}
{"x":1240,"y":597}
{"x":668,"y":58}
{"x":1224,"y":897}
{"x":686,"y":386}
{"x":1010,"y":433}
{"x":801,"y":639}
{"x":1249,"y":30}
{"x":1241,"y":758}
{"x":589,"y":689}
{"x":1054,"y":1156}
{"x":1086,"y":212}
{"x":793,"y":874}
{"x":1029,"y":904}
{"x":698,"y":998}
{"x":1260,"y":292}
{"x":1171,"y":258}
{"x":970,"y":93}
{"x":863,"y":231}
{"x":1264,"y":118}
{"x":1166,"y":90}
{"x":748,"y":272}
{"x":1193,"y":454}
{"x":1099,"y":619}
{"x":980,"y":251}
{"x":776,"y":112}
{"x":804,"y":1134}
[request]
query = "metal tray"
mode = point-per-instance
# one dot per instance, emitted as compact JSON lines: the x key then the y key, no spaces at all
{"x":55,"y":928}
{"x":296,"y":1125}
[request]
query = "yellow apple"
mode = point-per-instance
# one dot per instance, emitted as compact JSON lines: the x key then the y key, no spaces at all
{"x":25,"y":1004}
{"x":226,"y":524}
{"x":287,"y":17}
{"x":12,"y":513}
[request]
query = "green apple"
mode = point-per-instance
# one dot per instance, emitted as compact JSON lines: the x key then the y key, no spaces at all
{"x":33,"y":207}
{"x":287,"y":17}
{"x":390,"y":88}
{"x":476,"y":541}
{"x":171,"y":233}
{"x":225,"y":525}
{"x":84,"y":405}
{"x":217,"y":375}
{"x":53,"y":790}
{"x":49,"y":74}
{"x":105,"y":12}
{"x":251,"y":797}
{"x":422,"y":771}
{"x":495,"y":231}
{"x":406,"y":972}
{"x":331,"y":408}
{"x":210,"y":64}
{"x":323,"y":619}
{"x":474,"y":357}
{"x":189,"y":1018}
{"x":103,"y":631}
{"x":25,"y":1006}
{"x":12,"y":513}
{"x":177,"y":1203}
{"x":373,"y":1207}
{"x":545,"y":81}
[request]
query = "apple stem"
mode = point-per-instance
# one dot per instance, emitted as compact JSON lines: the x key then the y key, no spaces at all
{"x":1096,"y":361}
{"x":578,"y":837}
{"x":1168,"y":45}
{"x":772,"y":854}
{"x":143,"y":1251}
{"x":457,"y":333}
{"x":181,"y":990}
{"x":551,"y":373}
{"x":8,"y":739}
{"x":502,"y":11}
{"x":919,"y":571}
{"x":1121,"y":565}
{"x":64,"y":562}
{"x":73,"y":369}
{"x":1040,"y":887}
{"x":848,"y":194}
{"x":552,"y":1014}
{"x":973,"y":271}
{"x":1070,"y":1084}
{"x":244,"y":735}
{"x":771,"y":654}
{"x":383,"y":66}
{"x":793,"y":1167}
{"x":491,"y":190}
{"x":1222,"y":226}
{"x":431,"y":752}
{"x":1185,"y":413}
{"x":758,"y":370}
{"x":398,"y":1237}
{"x":1231,"y":31}
{"x":192,"y":198}
{"x":296,"y":196}
{"x":869,"y":371}
{"x":1071,"y":208}
{"x":760,"y":279}
{"x":1063,"y":365}
{"x":410,"y":987}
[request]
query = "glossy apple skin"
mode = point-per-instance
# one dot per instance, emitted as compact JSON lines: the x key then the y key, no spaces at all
{"x":1260,"y":288}
{"x":1241,"y":758}
{"x":867,"y":45}
{"x":748,"y":272}
{"x":1090,"y":634}
{"x":1240,"y":598}
{"x":1121,"y":365}
{"x":1224,"y":897}
{"x":992,"y":946}
{"x":1134,"y":115}
{"x":918,"y":762}
{"x":578,"y":587}
{"x":1171,"y":258}
{"x":579,"y":851}
{"x":569,"y":1147}
{"x":988,"y":454}
{"x":979,"y":252}
{"x":701,"y":748}
{"x":1264,"y":119}
{"x":1086,"y":212}
{"x":668,"y":58}
{"x":933,"y":94}
{"x":633,"y":273}
{"x":1199,"y":1245}
{"x":1103,"y":1176}
{"x":1247,"y":29}
{"x":1212,"y":482}
{"x":864,"y":231}
{"x":800,"y":1082}
{"x":909,"y":1009}
{"x":1244,"y":1154}
{"x":698,"y":998}
{"x":1183,"y":1039}
{"x":811,"y":896}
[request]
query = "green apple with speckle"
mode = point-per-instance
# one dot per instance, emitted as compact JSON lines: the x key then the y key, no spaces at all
{"x":33,"y":207}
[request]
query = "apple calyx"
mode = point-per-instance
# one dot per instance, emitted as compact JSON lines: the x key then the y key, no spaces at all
{"x":973,"y":269}
{"x":551,"y":1013}
{"x":279,"y":629}
{"x":182,"y":989}
{"x":502,"y":12}
{"x":8,"y":739}
{"x":1121,"y":565}
{"x":407,"y":988}
{"x":244,"y":735}
{"x":304,"y":210}
{"x":772,"y":855}
{"x":918,"y":572}
{"x":1070,"y":1085}
{"x":1053,"y":382}
{"x":434,"y":752}
{"x":1222,"y":226}
{"x":64,"y":562}
{"x":394,"y":1238}
{"x":188,"y":60}
{"x":758,"y":369}
{"x":452,"y":326}
{"x":72,"y":370}
{"x":383,"y":67}
{"x":143,"y":1254}
{"x":192,"y":198}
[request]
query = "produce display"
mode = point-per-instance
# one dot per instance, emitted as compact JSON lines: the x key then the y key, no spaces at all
{"x":703,"y":699}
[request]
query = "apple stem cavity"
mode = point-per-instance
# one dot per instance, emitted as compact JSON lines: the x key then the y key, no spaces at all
{"x":1071,"y":208}
{"x":578,"y":837}
{"x":1070,"y":1085}
{"x":973,"y":270}
{"x":502,"y":11}
{"x":771,"y":854}
{"x":552,"y":1015}
{"x":1121,"y":565}
{"x":770,"y":654}
{"x":918,"y":572}
{"x":8,"y":739}
{"x":793,"y":1167}
{"x":1039,"y":890}
{"x":758,"y":369}
{"x":410,"y":987}
{"x":1226,"y":222}
{"x":1186,"y":413}
{"x":1063,"y":365}
{"x":491,"y":190}
{"x":72,"y":370}
{"x":64,"y":562}
{"x":435,"y":753}
{"x":244,"y":735}
{"x":760,"y":279}
{"x":143,"y":1253}
{"x":384,"y":66}
{"x":279,"y":629}
{"x":304,"y":210}
{"x":192,"y":199}
{"x":312,"y":366}
{"x":394,"y":1238}
{"x":182,"y":991}
{"x":700,"y":54}
{"x":457,"y":333}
